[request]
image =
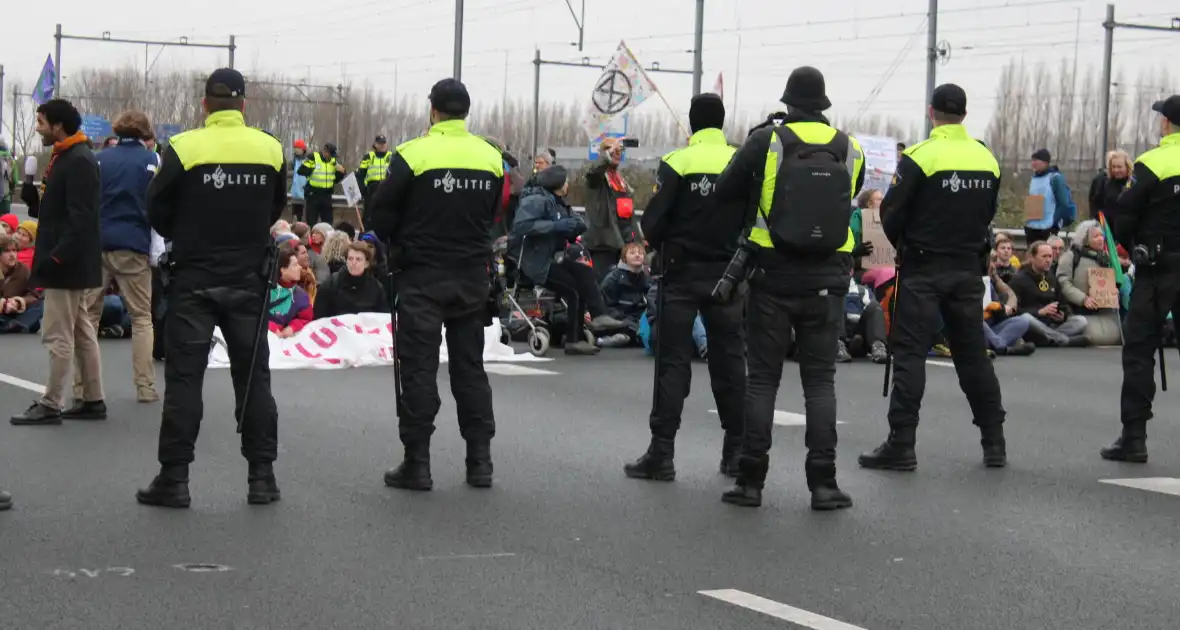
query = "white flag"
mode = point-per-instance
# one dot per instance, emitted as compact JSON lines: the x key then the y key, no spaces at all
{"x":719,"y":87}
{"x":622,"y":87}
{"x":352,"y":190}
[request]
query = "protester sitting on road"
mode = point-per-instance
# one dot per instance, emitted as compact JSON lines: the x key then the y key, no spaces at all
{"x":625,"y":293}
{"x":319,"y":235}
{"x":1006,"y":263}
{"x":354,"y":289}
{"x":336,"y":250}
{"x":1058,"y":246}
{"x":1003,"y":328}
{"x":1041,"y":302}
{"x":8,"y":224}
{"x":26,"y":239}
{"x":543,"y":228}
{"x":20,"y":306}
{"x":314,"y":263}
{"x":1087,"y":252}
{"x":114,"y":322}
{"x":863,"y":333}
{"x":280,"y":227}
{"x":302,"y":231}
{"x":307,"y":278}
{"x":289,"y":307}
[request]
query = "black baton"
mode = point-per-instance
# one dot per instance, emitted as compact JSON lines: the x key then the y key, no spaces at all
{"x":272,"y":272}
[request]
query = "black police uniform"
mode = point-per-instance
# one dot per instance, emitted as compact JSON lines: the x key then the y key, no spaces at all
{"x":436,"y":207}
{"x":695,"y":238}
{"x":225,"y":174}
{"x":1147,"y":223}
{"x":937,"y":212}
{"x":789,"y":292}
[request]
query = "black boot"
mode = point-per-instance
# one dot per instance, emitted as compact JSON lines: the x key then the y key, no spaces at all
{"x":414,"y":471}
{"x":263,"y":489}
{"x":168,"y":489}
{"x":995,"y":451}
{"x":83,"y":410}
{"x":896,"y":453}
{"x":1131,"y":446}
{"x":747,"y":491}
{"x":479,"y":464}
{"x":731,"y":446}
{"x":656,"y":464}
{"x":821,"y":481}
{"x":5,"y":501}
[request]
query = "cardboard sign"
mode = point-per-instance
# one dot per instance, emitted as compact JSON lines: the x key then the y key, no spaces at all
{"x":1103,"y":289}
{"x":1034,"y":207}
{"x":352,"y":190}
{"x":872,"y":232}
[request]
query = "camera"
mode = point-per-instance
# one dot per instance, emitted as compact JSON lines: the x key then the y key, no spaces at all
{"x":736,"y":272}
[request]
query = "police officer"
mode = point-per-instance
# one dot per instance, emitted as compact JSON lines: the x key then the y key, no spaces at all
{"x":372,"y":169}
{"x":936,"y":213}
{"x":1147,"y":223}
{"x":226,"y":174}
{"x":792,"y":289}
{"x":436,"y":208}
{"x":695,"y":239}
{"x":323,"y":172}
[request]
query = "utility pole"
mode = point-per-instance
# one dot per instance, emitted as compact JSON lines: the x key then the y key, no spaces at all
{"x":697,"y":61}
{"x":106,"y":37}
{"x":932,"y":55}
{"x":13,"y":147}
{"x":1108,"y":55}
{"x":458,"y":40}
{"x":538,"y":61}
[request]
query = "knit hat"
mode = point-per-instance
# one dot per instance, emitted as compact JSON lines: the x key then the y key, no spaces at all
{"x":707,"y":111}
{"x":806,"y":90}
{"x":323,"y":228}
{"x":30,"y":227}
{"x":11,"y":220}
{"x":552,"y":178}
{"x":1042,"y":155}
{"x":283,"y":238}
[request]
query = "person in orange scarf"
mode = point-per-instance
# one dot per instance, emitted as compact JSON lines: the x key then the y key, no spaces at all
{"x":68,"y":265}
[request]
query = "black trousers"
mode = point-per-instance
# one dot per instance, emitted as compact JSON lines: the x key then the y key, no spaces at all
{"x":298,"y":209}
{"x":428,"y":299}
{"x":194,"y":310}
{"x":1033,"y":235}
{"x":578,"y":286}
{"x":684,"y":295}
{"x":769,"y":320}
{"x":871,"y":325}
{"x":926,"y":289}
{"x":1154,"y":294}
{"x":319,"y":207}
{"x":159,"y":309}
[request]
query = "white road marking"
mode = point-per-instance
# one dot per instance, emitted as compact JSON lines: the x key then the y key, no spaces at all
{"x":22,"y":383}
{"x":779,"y":611}
{"x":1164,"y":485}
{"x":512,"y":369}
{"x":940,"y":363}
{"x":468,"y":556}
{"x":786,"y":418}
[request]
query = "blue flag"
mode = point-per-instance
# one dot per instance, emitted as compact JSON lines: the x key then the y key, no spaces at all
{"x":43,"y":91}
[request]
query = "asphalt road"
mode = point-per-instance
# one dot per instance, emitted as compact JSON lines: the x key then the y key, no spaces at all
{"x":564,"y":541}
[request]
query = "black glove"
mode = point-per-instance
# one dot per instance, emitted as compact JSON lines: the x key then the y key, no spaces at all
{"x":862,"y":250}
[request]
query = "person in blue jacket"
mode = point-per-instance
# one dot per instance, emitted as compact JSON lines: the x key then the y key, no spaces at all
{"x":1059,"y":208}
{"x":126,"y":170}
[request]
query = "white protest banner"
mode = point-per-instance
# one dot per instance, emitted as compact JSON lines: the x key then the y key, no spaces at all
{"x":347,"y":341}
{"x":623,"y":86}
{"x":880,"y":161}
{"x":352,"y":190}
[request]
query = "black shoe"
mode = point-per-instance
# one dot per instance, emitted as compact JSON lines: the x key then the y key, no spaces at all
{"x":37,"y":414}
{"x":168,"y":489}
{"x":743,"y":495}
{"x":995,"y":450}
{"x":1131,"y":446}
{"x":1021,"y":349}
{"x":263,"y":490}
{"x":652,"y":467}
{"x":829,"y":496}
{"x":5,"y":501}
{"x":821,"y":481}
{"x":890,"y":456}
{"x":479,"y":464}
{"x":86,"y":410}
{"x":414,"y":471}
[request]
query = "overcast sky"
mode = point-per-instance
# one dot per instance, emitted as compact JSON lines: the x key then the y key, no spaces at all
{"x":754,"y":43}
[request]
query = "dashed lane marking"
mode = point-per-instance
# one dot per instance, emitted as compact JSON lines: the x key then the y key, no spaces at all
{"x":786,"y":418}
{"x":779,"y":611}
{"x":1163,"y":485}
{"x":512,"y":369}
{"x":22,"y":383}
{"x":940,"y":363}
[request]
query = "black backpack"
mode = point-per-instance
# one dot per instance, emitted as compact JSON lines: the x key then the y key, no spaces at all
{"x":811,"y":209}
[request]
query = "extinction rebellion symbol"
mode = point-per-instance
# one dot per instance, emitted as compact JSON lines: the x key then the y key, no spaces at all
{"x":613,"y":92}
